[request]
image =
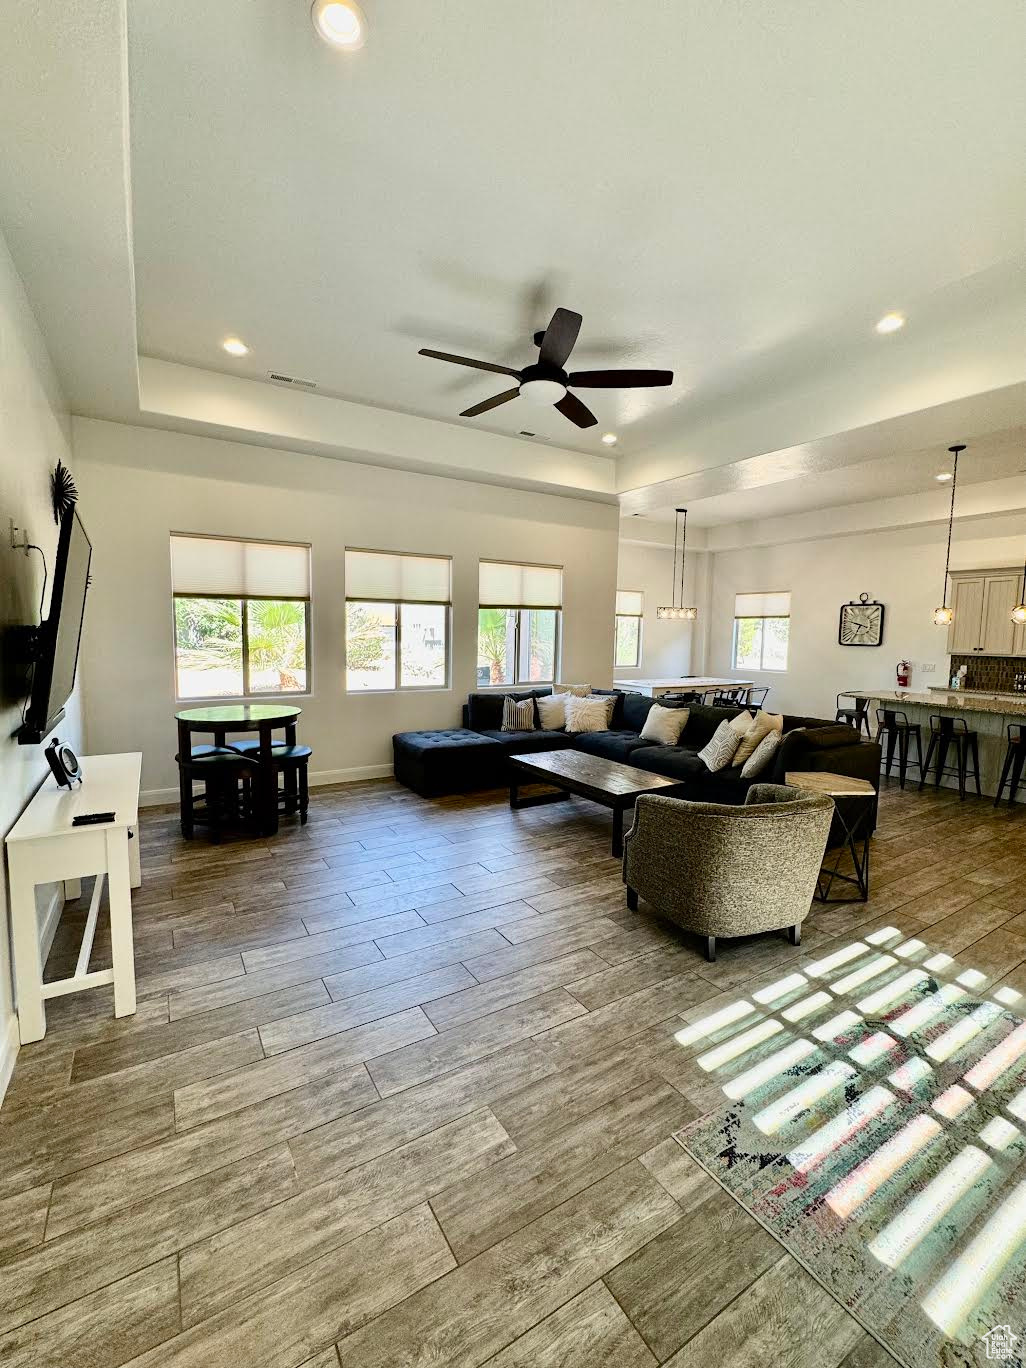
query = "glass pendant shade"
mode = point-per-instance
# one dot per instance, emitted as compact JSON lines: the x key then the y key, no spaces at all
{"x":943,"y":617}
{"x":1019,"y":614}
{"x":675,"y":612}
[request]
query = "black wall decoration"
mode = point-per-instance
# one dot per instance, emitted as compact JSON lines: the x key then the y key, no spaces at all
{"x":63,"y":494}
{"x":861,"y":623}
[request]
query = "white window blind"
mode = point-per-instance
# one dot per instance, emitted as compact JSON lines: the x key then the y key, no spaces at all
{"x":520,"y":586}
{"x":397,"y":578}
{"x":239,"y":569}
{"x":629,"y":602}
{"x":762,"y":605}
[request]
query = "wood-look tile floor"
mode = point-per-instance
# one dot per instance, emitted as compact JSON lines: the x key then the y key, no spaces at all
{"x":400,"y":1090}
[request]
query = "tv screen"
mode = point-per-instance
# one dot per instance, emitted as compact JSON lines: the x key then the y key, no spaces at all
{"x":56,"y":655}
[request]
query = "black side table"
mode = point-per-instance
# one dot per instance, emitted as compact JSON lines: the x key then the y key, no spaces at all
{"x":854,"y":802}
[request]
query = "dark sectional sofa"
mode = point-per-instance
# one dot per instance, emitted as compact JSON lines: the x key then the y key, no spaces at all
{"x":473,"y":756}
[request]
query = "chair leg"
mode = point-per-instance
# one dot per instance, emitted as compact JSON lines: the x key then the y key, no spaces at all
{"x":925,"y":768}
{"x":632,"y":900}
{"x":962,"y":762}
{"x":864,"y":717}
{"x":974,"y":742}
{"x":919,"y":749}
{"x":304,"y":793}
{"x":892,"y":736}
{"x":902,"y":755}
{"x":710,"y":949}
{"x":794,"y":935}
{"x":943,"y":744}
{"x":1017,"y":764}
{"x":1005,"y":770}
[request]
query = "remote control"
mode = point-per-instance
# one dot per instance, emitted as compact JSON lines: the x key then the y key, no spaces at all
{"x":92,"y":818}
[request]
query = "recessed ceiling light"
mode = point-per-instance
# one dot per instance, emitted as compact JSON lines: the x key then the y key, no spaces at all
{"x":609,"y":438}
{"x":340,"y":23}
{"x":891,"y":323}
{"x":943,"y":476}
{"x":235,"y":346}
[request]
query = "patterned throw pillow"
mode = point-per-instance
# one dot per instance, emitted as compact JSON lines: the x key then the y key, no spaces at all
{"x":664,"y":725}
{"x":578,"y":690}
{"x":552,"y":711}
{"x":761,"y":757}
{"x":518,"y":715}
{"x":721,"y":749}
{"x":587,"y":714}
{"x":764,"y":723}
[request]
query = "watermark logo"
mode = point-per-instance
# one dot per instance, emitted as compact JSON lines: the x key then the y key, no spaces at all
{"x":1000,"y":1341}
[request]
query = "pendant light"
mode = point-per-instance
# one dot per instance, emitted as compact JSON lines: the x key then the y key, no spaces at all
{"x":944,"y":615}
{"x":675,"y":610}
{"x":1019,"y":611}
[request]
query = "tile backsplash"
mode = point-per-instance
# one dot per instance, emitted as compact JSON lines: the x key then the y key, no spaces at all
{"x":995,"y":673}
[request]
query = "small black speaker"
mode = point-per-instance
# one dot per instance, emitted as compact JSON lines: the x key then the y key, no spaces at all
{"x":63,"y":763}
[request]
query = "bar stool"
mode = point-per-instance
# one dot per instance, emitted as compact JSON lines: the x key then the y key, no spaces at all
{"x":729,"y":698}
{"x":219,"y":769}
{"x":894,"y":724}
{"x":292,"y":763}
{"x":757,"y":697}
{"x":854,"y":716}
{"x":1015,"y":755}
{"x":952,"y":731}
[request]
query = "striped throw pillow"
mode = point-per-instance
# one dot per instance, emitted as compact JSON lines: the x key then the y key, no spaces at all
{"x":518,"y":715}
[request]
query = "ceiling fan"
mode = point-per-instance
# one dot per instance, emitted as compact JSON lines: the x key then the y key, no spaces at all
{"x":546,"y":382}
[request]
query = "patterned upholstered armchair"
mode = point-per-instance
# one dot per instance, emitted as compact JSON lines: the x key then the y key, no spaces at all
{"x":729,"y":871}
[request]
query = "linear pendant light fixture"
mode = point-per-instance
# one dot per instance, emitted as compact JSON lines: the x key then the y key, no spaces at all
{"x":944,"y":615}
{"x":675,"y":610}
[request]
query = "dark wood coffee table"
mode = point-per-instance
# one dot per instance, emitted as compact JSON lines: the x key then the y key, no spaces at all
{"x":606,"y":782}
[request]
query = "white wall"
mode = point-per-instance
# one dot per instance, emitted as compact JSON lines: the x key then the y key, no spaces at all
{"x":668,"y":649}
{"x":138,"y":484}
{"x":34,"y":435}
{"x":903,"y":568}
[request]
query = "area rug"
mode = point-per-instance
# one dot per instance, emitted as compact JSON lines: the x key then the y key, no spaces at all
{"x":875,"y":1124}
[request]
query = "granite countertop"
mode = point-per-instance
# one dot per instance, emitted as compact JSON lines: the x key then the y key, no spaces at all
{"x":981,"y":693}
{"x":954,"y":699}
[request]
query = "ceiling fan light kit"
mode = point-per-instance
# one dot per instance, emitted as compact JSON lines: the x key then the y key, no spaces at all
{"x":674,"y":611}
{"x":944,"y":616}
{"x":546,"y":381}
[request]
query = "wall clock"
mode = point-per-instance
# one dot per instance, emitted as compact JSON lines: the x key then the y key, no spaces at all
{"x":861,"y":623}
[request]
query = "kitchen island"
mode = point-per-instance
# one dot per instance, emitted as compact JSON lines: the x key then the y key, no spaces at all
{"x":988,"y":714}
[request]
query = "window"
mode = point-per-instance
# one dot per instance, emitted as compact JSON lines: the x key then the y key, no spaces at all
{"x":762,"y":626}
{"x":397,"y":621}
{"x":518,"y":623}
{"x":629,"y":610}
{"x":241,"y":617}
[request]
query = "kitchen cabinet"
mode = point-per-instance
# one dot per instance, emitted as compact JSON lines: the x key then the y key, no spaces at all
{"x":982,"y":624}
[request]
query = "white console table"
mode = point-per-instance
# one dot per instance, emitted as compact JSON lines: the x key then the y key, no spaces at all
{"x":44,"y":847}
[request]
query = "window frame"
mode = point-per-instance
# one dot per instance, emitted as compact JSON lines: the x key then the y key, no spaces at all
{"x":762,"y":619}
{"x":517,"y":681}
{"x":640,"y":617}
{"x":247,"y":695}
{"x":397,"y":604}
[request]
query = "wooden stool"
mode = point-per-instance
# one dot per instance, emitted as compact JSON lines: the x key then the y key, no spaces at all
{"x":1015,"y":755}
{"x":945,"y":732}
{"x":855,"y":716}
{"x":219,"y":769}
{"x":292,"y":763}
{"x":894,"y":724}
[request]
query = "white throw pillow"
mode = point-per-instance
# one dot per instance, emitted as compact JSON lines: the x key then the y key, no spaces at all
{"x":720,"y":750}
{"x":761,"y":757}
{"x":764,"y":723}
{"x":578,"y":690}
{"x":664,"y":725}
{"x":587,"y":714}
{"x":552,"y":711}
{"x":517,"y":714}
{"x":742,"y":723}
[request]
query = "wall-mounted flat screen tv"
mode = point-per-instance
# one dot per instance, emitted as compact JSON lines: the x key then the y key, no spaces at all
{"x":57,"y":639}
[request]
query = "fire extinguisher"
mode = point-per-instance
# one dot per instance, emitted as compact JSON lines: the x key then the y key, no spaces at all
{"x":904,"y":672}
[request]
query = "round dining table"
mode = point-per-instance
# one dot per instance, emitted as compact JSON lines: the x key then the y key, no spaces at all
{"x":222,"y":718}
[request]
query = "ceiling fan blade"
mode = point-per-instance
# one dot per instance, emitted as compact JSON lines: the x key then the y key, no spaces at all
{"x":469,"y":361}
{"x":620,"y":379}
{"x":559,"y":339}
{"x":571,"y":407}
{"x":487,"y":404}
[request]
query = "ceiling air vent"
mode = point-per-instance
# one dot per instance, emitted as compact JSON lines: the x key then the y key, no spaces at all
{"x":525,"y":433}
{"x":280,"y":379}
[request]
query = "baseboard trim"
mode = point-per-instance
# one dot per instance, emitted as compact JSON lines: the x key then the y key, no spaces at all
{"x":318,"y":779}
{"x":9,"y":1046}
